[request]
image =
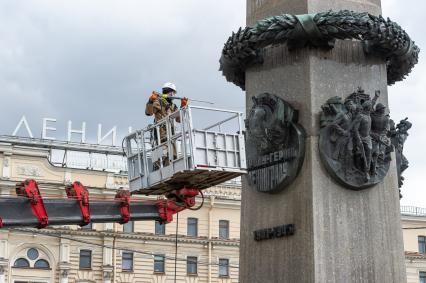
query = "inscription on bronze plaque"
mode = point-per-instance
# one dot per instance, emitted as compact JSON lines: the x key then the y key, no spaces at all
{"x":275,"y":143}
{"x":275,"y":232}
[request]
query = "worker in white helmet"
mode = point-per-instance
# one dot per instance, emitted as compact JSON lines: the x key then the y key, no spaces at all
{"x":161,"y":105}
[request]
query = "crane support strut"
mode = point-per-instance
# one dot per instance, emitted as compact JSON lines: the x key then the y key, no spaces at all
{"x":124,"y":197}
{"x":29,"y":189}
{"x":79,"y":192}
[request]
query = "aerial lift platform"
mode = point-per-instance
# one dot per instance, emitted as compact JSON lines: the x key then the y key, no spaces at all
{"x":169,"y":159}
{"x":169,"y":155}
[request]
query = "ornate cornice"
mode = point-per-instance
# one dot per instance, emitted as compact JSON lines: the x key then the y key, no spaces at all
{"x":224,"y":192}
{"x":139,"y":236}
{"x":415,"y":255}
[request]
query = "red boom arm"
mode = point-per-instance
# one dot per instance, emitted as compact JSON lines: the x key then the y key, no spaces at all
{"x":30,"y":209}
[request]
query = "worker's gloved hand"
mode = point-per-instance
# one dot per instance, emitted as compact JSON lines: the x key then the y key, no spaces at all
{"x":154,"y":96}
{"x":183,"y":102}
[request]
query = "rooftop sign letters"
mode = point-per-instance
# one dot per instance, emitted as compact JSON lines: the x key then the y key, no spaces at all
{"x":49,"y":129}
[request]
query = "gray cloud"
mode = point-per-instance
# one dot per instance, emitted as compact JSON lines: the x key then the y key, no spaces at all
{"x":98,"y":62}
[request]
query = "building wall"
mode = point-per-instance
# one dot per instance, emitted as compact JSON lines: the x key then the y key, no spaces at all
{"x":61,"y":246}
{"x":414,"y":225}
{"x":144,"y":242}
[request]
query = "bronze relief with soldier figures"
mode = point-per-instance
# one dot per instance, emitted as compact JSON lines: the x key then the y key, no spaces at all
{"x":356,"y":139}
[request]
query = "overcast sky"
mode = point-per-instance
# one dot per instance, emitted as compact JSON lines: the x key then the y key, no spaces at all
{"x":98,"y":61}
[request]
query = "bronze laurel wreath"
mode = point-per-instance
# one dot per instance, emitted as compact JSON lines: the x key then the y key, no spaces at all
{"x":380,"y":37}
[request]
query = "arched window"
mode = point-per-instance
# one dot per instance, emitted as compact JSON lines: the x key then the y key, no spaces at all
{"x":32,"y":258}
{"x":41,"y":263}
{"x":21,"y":262}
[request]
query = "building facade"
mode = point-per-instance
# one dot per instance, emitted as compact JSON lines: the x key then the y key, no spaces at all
{"x":143,"y":251}
{"x":414,"y":231}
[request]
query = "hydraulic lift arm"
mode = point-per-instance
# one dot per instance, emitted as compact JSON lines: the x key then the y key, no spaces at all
{"x":177,"y":164}
{"x":30,"y":209}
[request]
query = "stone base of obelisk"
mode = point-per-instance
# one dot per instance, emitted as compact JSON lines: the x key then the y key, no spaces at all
{"x":341,"y":235}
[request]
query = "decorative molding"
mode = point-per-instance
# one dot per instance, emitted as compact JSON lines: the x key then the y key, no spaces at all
{"x":68,"y":176}
{"x":380,"y":37}
{"x":140,"y":236}
{"x":222,"y":192}
{"x":4,"y":263}
{"x":107,"y":275}
{"x":191,"y":279}
{"x":158,"y":278}
{"x":64,"y":272}
{"x":29,"y":170}
{"x":125,"y":277}
{"x":4,"y":249}
{"x":110,"y":181}
{"x":87,"y":275}
{"x":115,"y":181}
{"x":415,"y":255}
{"x":6,"y":167}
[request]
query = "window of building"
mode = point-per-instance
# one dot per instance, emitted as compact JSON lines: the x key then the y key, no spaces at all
{"x":223,"y":267}
{"x":191,"y":265}
{"x":223,"y":229}
{"x":32,"y":260}
{"x":85,"y":259}
{"x":422,"y":276}
{"x":129,"y":227}
{"x":41,"y":263}
{"x":32,"y":253}
{"x":192,"y":229}
{"x":159,"y":263}
{"x":21,"y":263}
{"x":422,"y":244}
{"x":160,"y":229}
{"x":127,"y":261}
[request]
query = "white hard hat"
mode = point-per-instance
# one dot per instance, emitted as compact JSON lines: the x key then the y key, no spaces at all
{"x":170,"y":85}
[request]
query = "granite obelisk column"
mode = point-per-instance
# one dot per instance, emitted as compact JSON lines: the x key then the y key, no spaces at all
{"x":341,"y":235}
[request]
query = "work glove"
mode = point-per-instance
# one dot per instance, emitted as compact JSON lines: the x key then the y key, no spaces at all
{"x":183,"y":102}
{"x":153,"y":97}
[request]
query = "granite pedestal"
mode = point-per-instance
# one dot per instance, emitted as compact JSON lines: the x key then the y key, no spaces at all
{"x":341,"y":235}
